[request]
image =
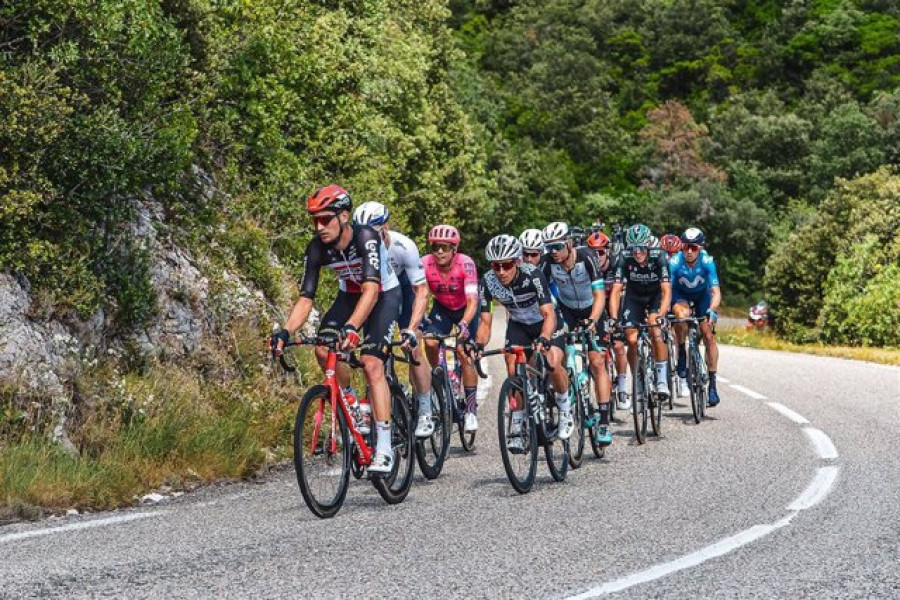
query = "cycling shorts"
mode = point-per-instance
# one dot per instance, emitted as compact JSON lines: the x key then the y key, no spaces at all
{"x":407,"y":299}
{"x":635,"y":309}
{"x":440,"y":320}
{"x":378,"y":328}
{"x":573,"y":318}
{"x":519,"y":334}
{"x":701,"y":301}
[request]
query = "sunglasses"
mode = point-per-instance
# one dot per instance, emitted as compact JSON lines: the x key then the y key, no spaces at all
{"x":692,"y":248}
{"x":323,"y":220}
{"x":556,"y":246}
{"x":436,"y":248}
{"x":506,"y":265}
{"x":639,"y":248}
{"x":531,"y":254}
{"x":600,"y":251}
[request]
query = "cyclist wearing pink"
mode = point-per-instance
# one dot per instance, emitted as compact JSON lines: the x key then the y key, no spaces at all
{"x":453,"y":281}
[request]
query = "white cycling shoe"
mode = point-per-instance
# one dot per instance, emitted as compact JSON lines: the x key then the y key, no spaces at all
{"x":623,"y":401}
{"x":381,"y":464}
{"x":425,"y":426}
{"x":683,"y":391}
{"x":566,"y":425}
{"x":471,"y":423}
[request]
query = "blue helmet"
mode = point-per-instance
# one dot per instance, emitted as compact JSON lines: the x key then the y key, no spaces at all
{"x":373,"y":214}
{"x":693,"y":236}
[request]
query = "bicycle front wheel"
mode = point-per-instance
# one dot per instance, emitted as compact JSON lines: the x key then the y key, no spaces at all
{"x":640,"y":391}
{"x":518,"y":445}
{"x":556,"y":450}
{"x":321,"y":453}
{"x":394,"y":487}
{"x":695,"y":385}
{"x":576,"y":442}
{"x":431,"y":452}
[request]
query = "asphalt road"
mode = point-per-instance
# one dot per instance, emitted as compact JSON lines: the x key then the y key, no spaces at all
{"x":754,"y":502}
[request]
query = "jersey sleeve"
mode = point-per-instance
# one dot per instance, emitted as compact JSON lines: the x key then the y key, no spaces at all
{"x":713,"y":275}
{"x":312,"y":263}
{"x":412,"y":265}
{"x":592,"y":265}
{"x":369,"y":248}
{"x":485,"y":300}
{"x":619,"y":269}
{"x":470,"y":278}
{"x":541,"y":287}
{"x":663,"y":262}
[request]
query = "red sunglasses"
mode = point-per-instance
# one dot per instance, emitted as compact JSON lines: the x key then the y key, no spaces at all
{"x":506,"y":265}
{"x":322,"y":220}
{"x":692,"y":247}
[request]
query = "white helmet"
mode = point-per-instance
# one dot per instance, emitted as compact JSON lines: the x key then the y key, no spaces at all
{"x":556,"y":232}
{"x":532,"y":239}
{"x":373,"y":214}
{"x":654,"y":242}
{"x":503,"y":247}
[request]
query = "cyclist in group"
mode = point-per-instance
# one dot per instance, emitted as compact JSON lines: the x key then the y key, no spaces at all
{"x":695,"y":281}
{"x":671,"y":243}
{"x":368,"y":297}
{"x":581,"y":300}
{"x":532,"y":241}
{"x":403,"y":256}
{"x":644,"y":272}
{"x":532,"y":321}
{"x":599,"y":242}
{"x":453,"y":281}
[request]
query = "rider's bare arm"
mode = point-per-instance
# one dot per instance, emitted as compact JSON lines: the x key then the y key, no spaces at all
{"x":614,"y":300}
{"x":549,"y":325}
{"x":299,"y":314}
{"x":419,"y":305}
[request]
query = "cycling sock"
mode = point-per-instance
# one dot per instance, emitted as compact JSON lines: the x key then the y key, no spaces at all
{"x":604,"y":413}
{"x":712,"y":379}
{"x":682,"y":354}
{"x":383,"y":442}
{"x":661,"y":370}
{"x":424,"y":403}
{"x":562,"y":401}
{"x":620,"y":382}
{"x":471,"y":396}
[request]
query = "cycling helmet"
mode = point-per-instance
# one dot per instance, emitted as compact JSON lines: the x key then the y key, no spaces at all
{"x":556,"y":232}
{"x":532,"y":239}
{"x":503,"y":247}
{"x":671,"y":243}
{"x":444,"y":234}
{"x":654,"y":241}
{"x":373,"y":214}
{"x":693,"y":236}
{"x":638,"y":235}
{"x":332,"y":197}
{"x":598,"y":240}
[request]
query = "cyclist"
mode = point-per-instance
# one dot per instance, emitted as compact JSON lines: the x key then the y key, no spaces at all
{"x":648,"y":294}
{"x":368,"y":296}
{"x":696,"y":282}
{"x":453,"y":281}
{"x":532,"y":321}
{"x":600,"y":244}
{"x":671,"y":243}
{"x":581,"y":301}
{"x":404,"y":259}
{"x":532,"y":241}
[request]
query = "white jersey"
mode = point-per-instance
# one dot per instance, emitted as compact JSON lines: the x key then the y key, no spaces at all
{"x":404,"y":259}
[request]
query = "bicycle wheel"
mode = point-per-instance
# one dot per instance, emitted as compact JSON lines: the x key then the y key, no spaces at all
{"x":395,"y":486}
{"x":639,"y":382}
{"x":556,"y":450}
{"x":704,"y":381}
{"x":431,"y":452}
{"x":656,"y":408}
{"x":671,"y":379}
{"x":321,"y":453}
{"x":576,"y":442}
{"x":466,"y":438}
{"x":611,"y":373}
{"x":519,"y":457}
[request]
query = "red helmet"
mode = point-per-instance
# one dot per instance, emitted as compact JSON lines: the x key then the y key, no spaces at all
{"x":444,"y":234}
{"x":671,"y":243}
{"x":598,"y":240}
{"x":331,"y":197}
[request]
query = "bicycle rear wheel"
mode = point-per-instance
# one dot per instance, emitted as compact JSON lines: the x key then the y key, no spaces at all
{"x":395,"y":486}
{"x":431,"y":452}
{"x":576,"y":442}
{"x":556,"y":450}
{"x":321,"y":453}
{"x":517,"y":448}
{"x":695,"y":383}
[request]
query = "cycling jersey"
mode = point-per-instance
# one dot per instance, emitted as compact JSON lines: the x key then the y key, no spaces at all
{"x":452,"y":290}
{"x":365,"y":259}
{"x":696,"y":279}
{"x":642,"y":281}
{"x":575,"y":288}
{"x":524,"y":297}
{"x":403,"y":255}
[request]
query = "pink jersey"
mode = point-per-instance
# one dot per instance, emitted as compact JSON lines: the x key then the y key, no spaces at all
{"x":452,"y":289}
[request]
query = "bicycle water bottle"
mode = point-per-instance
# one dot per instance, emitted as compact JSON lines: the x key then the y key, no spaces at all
{"x":365,"y":416}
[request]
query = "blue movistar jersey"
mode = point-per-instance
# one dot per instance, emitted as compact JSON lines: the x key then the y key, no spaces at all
{"x":691,"y":280}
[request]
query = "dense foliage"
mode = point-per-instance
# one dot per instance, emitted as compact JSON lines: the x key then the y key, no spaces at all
{"x":734,"y":116}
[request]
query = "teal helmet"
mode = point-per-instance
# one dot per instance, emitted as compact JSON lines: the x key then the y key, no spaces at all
{"x":638,"y":235}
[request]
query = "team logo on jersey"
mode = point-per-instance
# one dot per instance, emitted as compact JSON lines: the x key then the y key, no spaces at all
{"x":372,"y":251}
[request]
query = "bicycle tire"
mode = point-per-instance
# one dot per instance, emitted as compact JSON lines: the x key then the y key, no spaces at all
{"x":394,"y":487}
{"x":466,"y":438}
{"x":704,"y":381}
{"x":316,"y":398}
{"x":638,"y":401}
{"x":576,"y":446}
{"x":556,"y":450}
{"x":525,"y":482}
{"x":694,"y":383}
{"x":431,"y":452}
{"x":656,"y":408}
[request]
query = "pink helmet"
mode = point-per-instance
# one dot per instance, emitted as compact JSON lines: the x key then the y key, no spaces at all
{"x":444,"y":234}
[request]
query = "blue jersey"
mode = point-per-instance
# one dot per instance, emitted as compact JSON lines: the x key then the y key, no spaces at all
{"x":690,"y":281}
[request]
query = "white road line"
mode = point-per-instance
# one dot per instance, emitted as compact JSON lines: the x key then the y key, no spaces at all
{"x":748,"y":391}
{"x":793,"y":416}
{"x":821,"y":443}
{"x":12,"y":537}
{"x":687,"y":561}
{"x":722,"y":379}
{"x":817,"y":489}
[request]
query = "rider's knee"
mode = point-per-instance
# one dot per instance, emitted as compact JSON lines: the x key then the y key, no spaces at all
{"x":373,"y":367}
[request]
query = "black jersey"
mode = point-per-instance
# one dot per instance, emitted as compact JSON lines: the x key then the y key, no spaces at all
{"x":642,"y":281}
{"x":523,"y":298}
{"x":365,"y":259}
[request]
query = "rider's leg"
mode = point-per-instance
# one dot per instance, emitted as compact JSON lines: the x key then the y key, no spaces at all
{"x":660,"y":355}
{"x":420,"y":378}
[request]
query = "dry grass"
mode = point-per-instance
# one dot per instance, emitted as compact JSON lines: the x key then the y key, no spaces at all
{"x":769,"y":341}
